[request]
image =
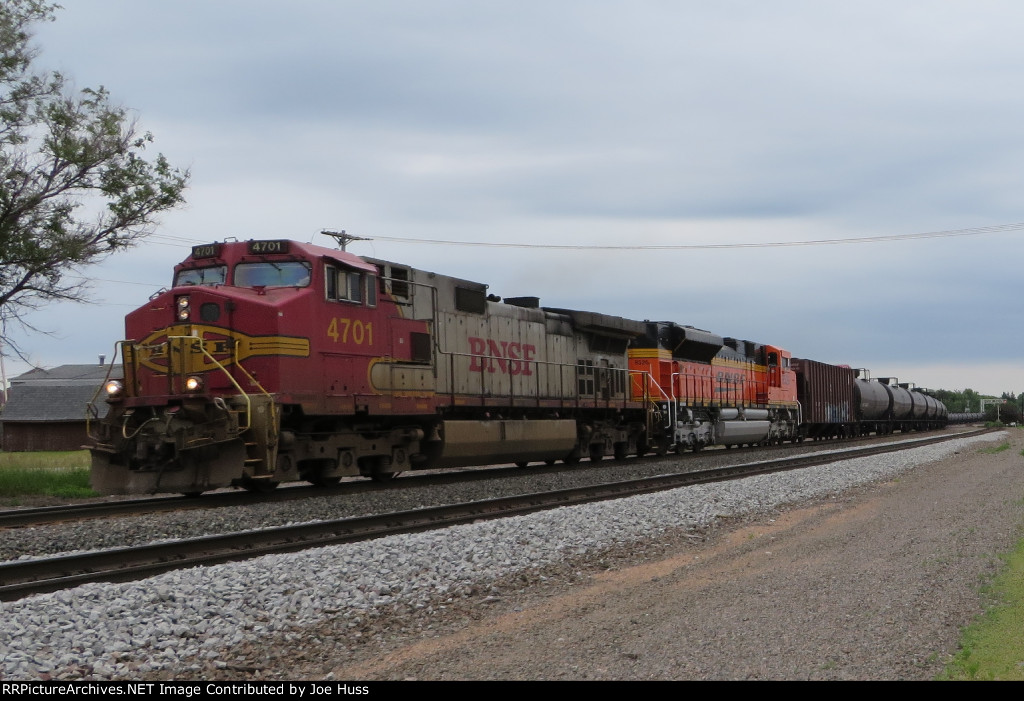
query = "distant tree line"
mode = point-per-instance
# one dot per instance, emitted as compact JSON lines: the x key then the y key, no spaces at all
{"x":969,"y":401}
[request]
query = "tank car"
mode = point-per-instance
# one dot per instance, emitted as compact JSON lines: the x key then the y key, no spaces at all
{"x":966,"y":417}
{"x":839,"y":402}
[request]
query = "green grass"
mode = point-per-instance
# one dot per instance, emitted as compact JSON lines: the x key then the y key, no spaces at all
{"x":996,"y":449}
{"x":992,"y":648}
{"x":47,"y":474}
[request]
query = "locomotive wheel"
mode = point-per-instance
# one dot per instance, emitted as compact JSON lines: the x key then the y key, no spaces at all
{"x":384,"y":476}
{"x":620,"y":451}
{"x":596,"y":452}
{"x":258,"y":486}
{"x":325,"y":481}
{"x":522,"y":463}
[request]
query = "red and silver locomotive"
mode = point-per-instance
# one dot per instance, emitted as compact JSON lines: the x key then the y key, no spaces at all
{"x":275,"y":360}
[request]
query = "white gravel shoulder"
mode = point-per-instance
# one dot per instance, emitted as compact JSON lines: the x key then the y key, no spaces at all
{"x":184,"y":621}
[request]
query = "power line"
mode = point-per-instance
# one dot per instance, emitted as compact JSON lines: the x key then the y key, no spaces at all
{"x":953,"y":233}
{"x":977,"y":231}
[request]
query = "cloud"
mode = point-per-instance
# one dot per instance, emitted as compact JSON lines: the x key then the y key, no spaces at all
{"x":601,"y":123}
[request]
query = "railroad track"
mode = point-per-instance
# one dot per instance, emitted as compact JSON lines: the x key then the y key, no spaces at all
{"x":37,"y":516}
{"x":26,"y":577}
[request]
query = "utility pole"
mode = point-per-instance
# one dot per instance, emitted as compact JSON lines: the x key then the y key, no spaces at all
{"x":3,"y":380}
{"x":342,"y":238}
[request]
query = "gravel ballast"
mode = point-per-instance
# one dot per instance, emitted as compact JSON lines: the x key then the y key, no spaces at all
{"x":360,"y":610}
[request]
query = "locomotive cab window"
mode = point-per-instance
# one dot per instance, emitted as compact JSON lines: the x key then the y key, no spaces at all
{"x":212,"y":275}
{"x":287,"y":273}
{"x":343,"y":285}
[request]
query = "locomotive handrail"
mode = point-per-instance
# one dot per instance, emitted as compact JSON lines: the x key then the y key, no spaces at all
{"x":646,"y":389}
{"x":409,"y":301}
{"x":274,"y":429}
{"x":90,"y":408}
{"x":621,"y":399}
{"x":231,"y":378}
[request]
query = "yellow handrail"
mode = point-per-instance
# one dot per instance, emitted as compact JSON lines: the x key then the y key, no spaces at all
{"x":90,"y":407}
{"x":231,"y":379}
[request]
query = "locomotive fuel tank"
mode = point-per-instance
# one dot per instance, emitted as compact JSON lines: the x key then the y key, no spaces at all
{"x":739,"y":432}
{"x":737,"y":426}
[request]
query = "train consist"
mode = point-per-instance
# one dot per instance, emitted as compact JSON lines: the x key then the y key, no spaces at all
{"x":270,"y":361}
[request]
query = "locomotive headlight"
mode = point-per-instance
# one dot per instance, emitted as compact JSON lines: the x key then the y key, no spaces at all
{"x":184,"y":308}
{"x":194,"y":383}
{"x":114,"y":388}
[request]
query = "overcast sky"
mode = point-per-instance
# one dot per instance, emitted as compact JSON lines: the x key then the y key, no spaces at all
{"x":597,"y":123}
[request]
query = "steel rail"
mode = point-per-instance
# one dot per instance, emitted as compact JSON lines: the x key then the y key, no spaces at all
{"x":36,"y":516}
{"x":26,"y":577}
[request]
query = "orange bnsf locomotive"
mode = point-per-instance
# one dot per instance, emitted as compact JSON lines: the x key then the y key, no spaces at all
{"x":273,"y":361}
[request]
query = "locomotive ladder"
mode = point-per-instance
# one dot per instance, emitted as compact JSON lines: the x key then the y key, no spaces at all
{"x":260,"y":442}
{"x":651,"y":402}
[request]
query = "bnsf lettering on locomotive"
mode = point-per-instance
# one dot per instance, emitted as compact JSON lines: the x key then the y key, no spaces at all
{"x":508,"y":357}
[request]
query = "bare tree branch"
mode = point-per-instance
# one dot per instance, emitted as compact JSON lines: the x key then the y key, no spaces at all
{"x":62,"y":154}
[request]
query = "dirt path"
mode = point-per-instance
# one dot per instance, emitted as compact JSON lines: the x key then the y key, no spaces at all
{"x":874,"y":584}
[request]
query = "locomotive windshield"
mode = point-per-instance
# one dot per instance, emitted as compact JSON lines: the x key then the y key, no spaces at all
{"x":283,"y":274}
{"x":213,"y":275}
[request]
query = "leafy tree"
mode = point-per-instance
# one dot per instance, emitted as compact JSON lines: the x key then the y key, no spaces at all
{"x":959,"y":401}
{"x":1009,"y":412}
{"x":74,"y":185}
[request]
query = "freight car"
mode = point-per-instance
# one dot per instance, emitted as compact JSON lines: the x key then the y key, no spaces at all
{"x":276,"y":360}
{"x":840,"y":402}
{"x":966,"y":417}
